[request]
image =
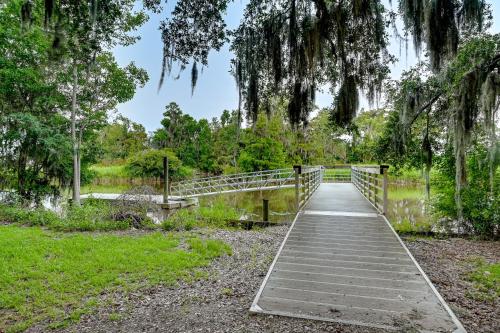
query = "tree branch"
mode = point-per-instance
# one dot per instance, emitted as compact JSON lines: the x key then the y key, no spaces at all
{"x":426,"y":106}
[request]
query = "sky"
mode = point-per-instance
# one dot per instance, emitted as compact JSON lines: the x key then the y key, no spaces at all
{"x":215,"y":90}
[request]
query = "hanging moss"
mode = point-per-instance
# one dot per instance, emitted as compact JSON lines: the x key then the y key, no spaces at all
{"x":294,"y":48}
{"x":194,"y":77}
{"x":436,"y":22}
{"x":413,"y":17}
{"x":347,"y":102}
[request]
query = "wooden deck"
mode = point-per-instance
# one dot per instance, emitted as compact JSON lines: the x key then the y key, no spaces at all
{"x":343,"y":262}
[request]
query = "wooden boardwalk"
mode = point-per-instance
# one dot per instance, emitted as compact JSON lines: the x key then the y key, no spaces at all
{"x":341,"y":261}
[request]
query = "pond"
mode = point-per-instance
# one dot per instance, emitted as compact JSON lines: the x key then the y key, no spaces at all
{"x":281,"y":204}
{"x":406,"y":209}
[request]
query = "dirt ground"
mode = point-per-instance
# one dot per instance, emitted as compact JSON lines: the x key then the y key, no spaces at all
{"x":447,"y":263}
{"x":220,"y":303}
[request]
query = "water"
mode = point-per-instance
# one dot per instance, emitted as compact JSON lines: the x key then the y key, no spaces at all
{"x":406,"y":207}
{"x":249,"y":204}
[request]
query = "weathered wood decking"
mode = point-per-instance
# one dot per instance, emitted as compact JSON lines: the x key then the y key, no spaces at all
{"x":342,"y":262}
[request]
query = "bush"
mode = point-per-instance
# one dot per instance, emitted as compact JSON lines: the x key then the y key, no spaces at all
{"x":481,"y":207}
{"x":92,"y":215}
{"x":36,"y":217}
{"x":217,"y":215}
{"x":149,"y":164}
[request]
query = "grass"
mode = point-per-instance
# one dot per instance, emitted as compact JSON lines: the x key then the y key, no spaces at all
{"x":93,"y":215}
{"x":110,"y":171}
{"x":485,"y":279}
{"x":406,"y":210}
{"x":405,"y":192}
{"x":217,"y":216}
{"x":47,"y":276}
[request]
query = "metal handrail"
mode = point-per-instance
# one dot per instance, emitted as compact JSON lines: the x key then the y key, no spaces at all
{"x":234,"y":183}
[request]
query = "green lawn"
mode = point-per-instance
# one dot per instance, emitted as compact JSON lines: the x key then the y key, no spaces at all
{"x":56,"y":277}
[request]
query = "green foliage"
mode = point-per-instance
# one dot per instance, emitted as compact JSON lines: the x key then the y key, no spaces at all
{"x":217,"y":215}
{"x":37,"y":60}
{"x":181,"y":220}
{"x":55,"y":278}
{"x":368,"y":127}
{"x":24,"y":216}
{"x":322,"y":143}
{"x":149,"y":164}
{"x":34,"y":144}
{"x":261,"y":154}
{"x":121,"y":139}
{"x":110,"y":171}
{"x":486,"y":280}
{"x":190,"y":139}
{"x":481,"y":207}
{"x":262,"y":148}
{"x":92,"y":215}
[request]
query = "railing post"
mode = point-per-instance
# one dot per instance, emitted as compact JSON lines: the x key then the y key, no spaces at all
{"x":383,"y":172}
{"x":165,"y":179}
{"x":265,"y":210}
{"x":298,"y":171}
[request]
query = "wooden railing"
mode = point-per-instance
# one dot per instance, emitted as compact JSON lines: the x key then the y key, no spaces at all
{"x":307,"y":180}
{"x":372,"y":183}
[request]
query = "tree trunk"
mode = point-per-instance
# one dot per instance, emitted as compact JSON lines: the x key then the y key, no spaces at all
{"x":238,"y":128}
{"x":428,"y":181}
{"x":460,"y":164}
{"x":76,"y":148}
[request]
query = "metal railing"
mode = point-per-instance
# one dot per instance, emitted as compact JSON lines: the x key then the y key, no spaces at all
{"x":307,"y":181}
{"x":372,"y":183}
{"x":241,"y":182}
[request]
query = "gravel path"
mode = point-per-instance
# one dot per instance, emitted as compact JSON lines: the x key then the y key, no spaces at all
{"x":217,"y":304}
{"x":220,"y":303}
{"x":447,"y":262}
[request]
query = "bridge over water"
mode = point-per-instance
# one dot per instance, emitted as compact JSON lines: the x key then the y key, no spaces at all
{"x":341,"y":260}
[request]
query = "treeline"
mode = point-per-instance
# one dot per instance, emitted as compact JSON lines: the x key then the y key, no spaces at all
{"x":222,"y":145}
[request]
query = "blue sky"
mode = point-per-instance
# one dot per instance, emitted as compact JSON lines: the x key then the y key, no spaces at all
{"x":215,"y":90}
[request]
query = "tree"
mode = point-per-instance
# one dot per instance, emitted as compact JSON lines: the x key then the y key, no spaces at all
{"x":261,"y":149}
{"x":463,"y":99}
{"x":190,"y":139}
{"x":122,"y":138}
{"x":293,"y":47}
{"x":34,"y":143}
{"x":82,"y":32}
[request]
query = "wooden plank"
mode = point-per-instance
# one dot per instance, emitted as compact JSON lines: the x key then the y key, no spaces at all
{"x":351,"y":268}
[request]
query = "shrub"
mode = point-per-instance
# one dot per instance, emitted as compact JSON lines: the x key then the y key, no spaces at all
{"x":25,"y":216}
{"x":217,"y":215}
{"x":481,"y":207}
{"x":149,"y":163}
{"x":92,"y":215}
